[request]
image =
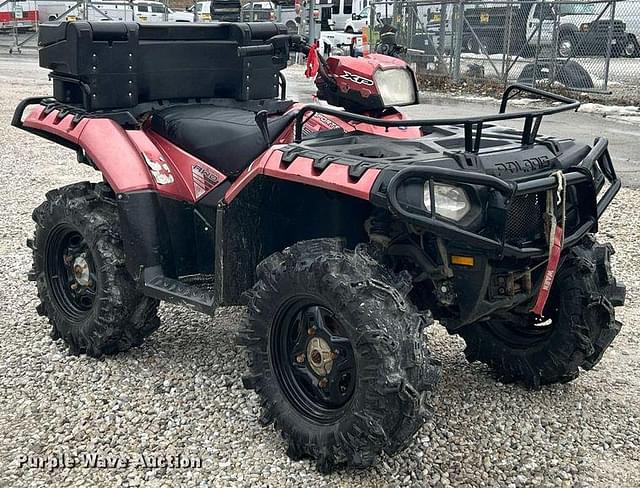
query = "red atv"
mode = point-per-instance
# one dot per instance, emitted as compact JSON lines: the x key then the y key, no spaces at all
{"x":345,"y":231}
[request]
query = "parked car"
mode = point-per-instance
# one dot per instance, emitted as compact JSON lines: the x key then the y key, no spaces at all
{"x":50,"y":10}
{"x":342,"y":11}
{"x":579,"y":31}
{"x":630,"y":15}
{"x":21,"y":14}
{"x":258,"y":12}
{"x":137,"y":11}
{"x":203,"y":11}
{"x":358,"y":21}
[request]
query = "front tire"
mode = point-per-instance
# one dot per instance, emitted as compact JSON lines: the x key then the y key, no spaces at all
{"x":580,"y":324}
{"x":316,"y":300}
{"x":85,"y":290}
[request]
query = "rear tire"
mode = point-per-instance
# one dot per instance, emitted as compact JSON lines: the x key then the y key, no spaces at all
{"x":630,"y":49}
{"x":582,"y":324}
{"x":85,"y":290}
{"x":566,"y":46}
{"x":382,"y":400}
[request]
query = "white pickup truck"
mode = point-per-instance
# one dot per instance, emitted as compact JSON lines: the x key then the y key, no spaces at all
{"x":579,"y":30}
{"x":136,"y":10}
{"x":340,"y":42}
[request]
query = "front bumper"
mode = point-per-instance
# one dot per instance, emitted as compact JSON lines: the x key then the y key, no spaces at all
{"x":596,"y":163}
{"x":595,"y":42}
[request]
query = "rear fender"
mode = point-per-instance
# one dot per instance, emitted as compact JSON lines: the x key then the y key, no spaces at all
{"x":130,"y":160}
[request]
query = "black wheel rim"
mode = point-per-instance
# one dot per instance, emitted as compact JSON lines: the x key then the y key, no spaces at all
{"x":70,"y":272}
{"x":313,"y":360}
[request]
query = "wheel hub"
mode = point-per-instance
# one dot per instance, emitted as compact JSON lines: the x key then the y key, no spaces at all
{"x":320,"y":356}
{"x":81,"y":271}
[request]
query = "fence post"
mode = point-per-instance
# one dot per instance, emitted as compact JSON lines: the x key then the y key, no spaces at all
{"x":607,"y":61}
{"x":539,"y":41}
{"x":14,"y":29}
{"x":506,"y":43}
{"x":554,"y":46}
{"x":458,"y":47}
{"x":442,"y":31}
{"x":311,"y":5}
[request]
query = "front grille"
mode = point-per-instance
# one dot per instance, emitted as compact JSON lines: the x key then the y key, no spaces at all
{"x":525,"y":218}
{"x":602,"y":27}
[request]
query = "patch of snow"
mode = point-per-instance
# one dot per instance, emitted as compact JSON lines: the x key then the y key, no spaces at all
{"x":521,"y":102}
{"x":609,"y":110}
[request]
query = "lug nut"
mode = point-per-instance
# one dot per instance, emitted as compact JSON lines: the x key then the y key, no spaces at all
{"x":312,"y":331}
{"x":323,"y":383}
{"x":300,"y":358}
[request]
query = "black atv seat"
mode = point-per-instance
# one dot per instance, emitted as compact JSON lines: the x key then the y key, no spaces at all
{"x":226,"y":138}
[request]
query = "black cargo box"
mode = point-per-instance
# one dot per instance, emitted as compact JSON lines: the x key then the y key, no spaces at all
{"x":109,"y":65}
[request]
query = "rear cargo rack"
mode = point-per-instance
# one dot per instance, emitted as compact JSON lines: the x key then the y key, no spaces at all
{"x":472,"y":125}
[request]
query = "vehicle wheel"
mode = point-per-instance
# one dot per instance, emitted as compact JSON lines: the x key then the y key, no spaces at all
{"x":579,"y":324}
{"x":630,"y":48}
{"x":572,"y":75}
{"x":470,"y":45}
{"x":565,"y":46}
{"x":292,"y":28}
{"x":337,"y":354}
{"x":349,"y":29}
{"x":85,"y":290}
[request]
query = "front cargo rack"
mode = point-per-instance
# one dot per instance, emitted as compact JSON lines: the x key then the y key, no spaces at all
{"x":472,"y":125}
{"x":582,"y":174}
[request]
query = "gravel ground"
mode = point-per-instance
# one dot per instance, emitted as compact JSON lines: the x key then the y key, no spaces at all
{"x":181,"y":393}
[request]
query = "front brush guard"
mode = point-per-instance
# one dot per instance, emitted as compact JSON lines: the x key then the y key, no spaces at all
{"x":580,"y":174}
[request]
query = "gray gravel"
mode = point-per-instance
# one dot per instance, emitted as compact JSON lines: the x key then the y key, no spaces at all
{"x":181,"y":391}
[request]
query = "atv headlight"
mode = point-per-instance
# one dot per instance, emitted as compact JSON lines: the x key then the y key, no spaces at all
{"x":451,"y":201}
{"x":395,"y":86}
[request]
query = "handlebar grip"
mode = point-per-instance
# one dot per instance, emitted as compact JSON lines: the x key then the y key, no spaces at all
{"x":261,"y":50}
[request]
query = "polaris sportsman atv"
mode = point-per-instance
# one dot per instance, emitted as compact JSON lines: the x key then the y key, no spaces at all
{"x":346,"y":232}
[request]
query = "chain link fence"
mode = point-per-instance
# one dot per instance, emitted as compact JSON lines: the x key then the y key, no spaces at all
{"x":586,"y":46}
{"x":20,"y":19}
{"x":581,"y":46}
